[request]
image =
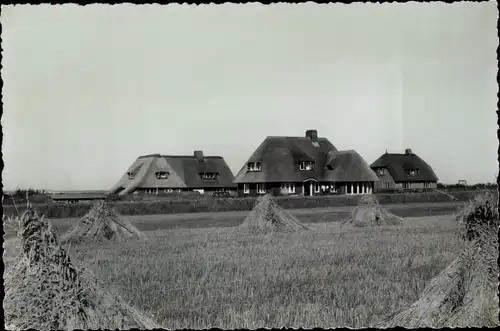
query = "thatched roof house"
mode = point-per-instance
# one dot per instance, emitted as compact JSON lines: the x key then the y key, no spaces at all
{"x":306,"y":165}
{"x":154,"y":174}
{"x":404,"y":171}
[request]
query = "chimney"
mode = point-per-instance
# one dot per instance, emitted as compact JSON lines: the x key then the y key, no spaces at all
{"x":199,"y":155}
{"x":408,"y":151}
{"x":312,"y":134}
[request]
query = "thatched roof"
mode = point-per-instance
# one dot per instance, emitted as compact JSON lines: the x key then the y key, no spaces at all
{"x":183,"y":171}
{"x":280,"y":157}
{"x":348,"y":166}
{"x":397,"y":164}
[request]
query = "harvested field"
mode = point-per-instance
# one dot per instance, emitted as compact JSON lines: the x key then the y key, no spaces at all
{"x":329,"y":276}
{"x":370,"y":213}
{"x":231,"y":219}
{"x":45,"y":290}
{"x":465,"y":294}
{"x":102,"y":223}
{"x":267,"y":216}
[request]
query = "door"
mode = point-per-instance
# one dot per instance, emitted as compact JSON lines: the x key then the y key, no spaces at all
{"x":307,"y":189}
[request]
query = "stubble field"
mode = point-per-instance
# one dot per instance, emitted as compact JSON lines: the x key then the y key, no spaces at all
{"x":217,"y":276}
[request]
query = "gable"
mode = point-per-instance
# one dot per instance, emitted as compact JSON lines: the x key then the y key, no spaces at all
{"x":141,"y":167}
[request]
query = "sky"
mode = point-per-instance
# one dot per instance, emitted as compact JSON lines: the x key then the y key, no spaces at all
{"x":88,"y":89}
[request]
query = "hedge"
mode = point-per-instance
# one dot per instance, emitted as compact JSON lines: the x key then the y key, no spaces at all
{"x":209,"y":204}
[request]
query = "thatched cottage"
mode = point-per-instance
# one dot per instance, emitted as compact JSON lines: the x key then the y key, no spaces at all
{"x":156,"y":174}
{"x":403,"y":171}
{"x":308,"y":165}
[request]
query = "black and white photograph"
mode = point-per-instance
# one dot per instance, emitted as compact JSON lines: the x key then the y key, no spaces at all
{"x":248,"y":165}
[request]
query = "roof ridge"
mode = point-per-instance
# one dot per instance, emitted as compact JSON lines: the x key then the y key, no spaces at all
{"x":149,"y":155}
{"x":193,"y":157}
{"x":287,"y":137}
{"x":412,"y":154}
{"x":178,"y":156}
{"x":345,"y":151}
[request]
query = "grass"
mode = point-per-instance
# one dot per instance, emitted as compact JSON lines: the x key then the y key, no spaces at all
{"x":332,"y":276}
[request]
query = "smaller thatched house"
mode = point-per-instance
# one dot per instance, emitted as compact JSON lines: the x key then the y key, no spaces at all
{"x":308,"y":166}
{"x":403,"y":171}
{"x":163,"y":174}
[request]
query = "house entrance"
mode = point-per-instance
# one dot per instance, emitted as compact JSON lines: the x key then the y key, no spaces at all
{"x":308,"y":187}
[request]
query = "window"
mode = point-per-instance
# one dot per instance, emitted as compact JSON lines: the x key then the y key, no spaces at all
{"x":316,"y":187}
{"x":254,"y":166}
{"x":209,"y":175}
{"x":161,"y":174}
{"x":380,"y":171}
{"x":261,"y":189}
{"x":178,"y":190}
{"x":387,"y":185}
{"x":306,"y":165}
{"x":406,"y":185}
{"x":130,"y":175}
{"x":288,"y":187}
{"x":412,"y":172}
{"x":246,"y":188}
{"x":427,"y":185}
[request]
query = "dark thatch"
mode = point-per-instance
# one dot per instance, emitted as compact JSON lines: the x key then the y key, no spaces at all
{"x":280,"y":157}
{"x":183,"y":172}
{"x":348,"y":166}
{"x":397,"y":164}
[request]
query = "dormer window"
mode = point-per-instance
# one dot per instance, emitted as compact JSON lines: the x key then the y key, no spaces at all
{"x":161,"y":174}
{"x":131,"y":174}
{"x":208,"y":175}
{"x":412,"y":172}
{"x":380,"y":171}
{"x":254,"y":166}
{"x":306,"y":165}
